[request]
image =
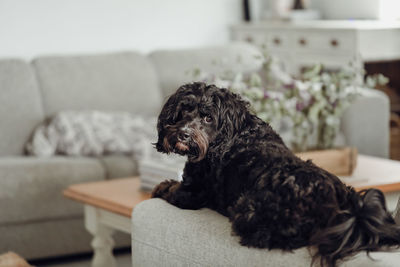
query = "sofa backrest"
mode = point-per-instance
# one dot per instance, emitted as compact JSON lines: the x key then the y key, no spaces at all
{"x":175,"y":67}
{"x":109,"y":82}
{"x":20,"y":105}
{"x":125,"y":81}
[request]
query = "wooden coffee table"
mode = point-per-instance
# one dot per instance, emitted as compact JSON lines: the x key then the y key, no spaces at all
{"x":108,"y":207}
{"x":108,"y":204}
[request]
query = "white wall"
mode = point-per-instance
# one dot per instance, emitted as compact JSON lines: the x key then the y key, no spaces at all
{"x":34,"y":27}
{"x":358,"y":9}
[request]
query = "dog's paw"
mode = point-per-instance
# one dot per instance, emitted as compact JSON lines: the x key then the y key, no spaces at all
{"x":165,"y":189}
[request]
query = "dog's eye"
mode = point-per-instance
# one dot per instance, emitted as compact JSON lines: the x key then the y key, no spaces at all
{"x":208,"y":119}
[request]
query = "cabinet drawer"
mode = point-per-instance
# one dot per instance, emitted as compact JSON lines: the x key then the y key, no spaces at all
{"x":272,"y":40}
{"x":255,"y":37}
{"x":278,"y":40}
{"x":324,"y":41}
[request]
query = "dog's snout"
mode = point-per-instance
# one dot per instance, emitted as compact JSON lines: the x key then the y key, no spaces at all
{"x":183,"y":136}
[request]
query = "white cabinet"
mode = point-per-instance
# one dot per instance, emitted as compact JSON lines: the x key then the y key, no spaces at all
{"x":332,"y":43}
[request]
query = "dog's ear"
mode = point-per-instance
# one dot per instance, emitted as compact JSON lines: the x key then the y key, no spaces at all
{"x":159,"y":145}
{"x":233,"y":112}
{"x":168,"y":112}
{"x":167,"y":116}
{"x":162,"y":145}
{"x":172,"y":107}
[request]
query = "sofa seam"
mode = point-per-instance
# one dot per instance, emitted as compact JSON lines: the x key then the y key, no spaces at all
{"x":39,"y":84}
{"x":104,"y":167}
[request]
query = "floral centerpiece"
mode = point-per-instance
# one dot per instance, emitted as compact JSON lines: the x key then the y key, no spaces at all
{"x":305,"y":110}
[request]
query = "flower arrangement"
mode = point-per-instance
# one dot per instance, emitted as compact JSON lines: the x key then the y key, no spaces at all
{"x":305,"y":110}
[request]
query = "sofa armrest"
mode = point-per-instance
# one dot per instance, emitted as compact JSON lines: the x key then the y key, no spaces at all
{"x":365,"y":123}
{"x":164,"y":235}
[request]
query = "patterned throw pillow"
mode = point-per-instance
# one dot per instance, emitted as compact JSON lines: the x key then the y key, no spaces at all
{"x":93,"y":133}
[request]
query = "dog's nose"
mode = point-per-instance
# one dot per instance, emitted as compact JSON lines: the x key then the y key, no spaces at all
{"x":183,"y":136}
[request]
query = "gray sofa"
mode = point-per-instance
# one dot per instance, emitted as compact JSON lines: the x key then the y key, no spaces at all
{"x":164,"y":235}
{"x":36,"y":221}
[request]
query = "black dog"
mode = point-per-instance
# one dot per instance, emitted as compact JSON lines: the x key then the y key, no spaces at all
{"x":238,"y":166}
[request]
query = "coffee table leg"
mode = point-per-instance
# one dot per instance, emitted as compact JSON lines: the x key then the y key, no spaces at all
{"x":102,"y":242}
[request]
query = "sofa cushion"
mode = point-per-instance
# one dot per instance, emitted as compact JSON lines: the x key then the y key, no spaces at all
{"x":20,"y":105}
{"x":31,"y":188}
{"x":165,"y":235}
{"x":107,"y":82}
{"x":174,"y":67}
{"x":118,"y":166}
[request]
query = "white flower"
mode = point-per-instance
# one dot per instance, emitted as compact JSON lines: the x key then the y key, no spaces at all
{"x":316,"y":87}
{"x":255,"y":92}
{"x":222,"y":83}
{"x":332,"y":120}
{"x":255,"y":80}
{"x":301,"y":86}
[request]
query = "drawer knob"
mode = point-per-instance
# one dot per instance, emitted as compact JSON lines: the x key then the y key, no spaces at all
{"x":249,"y":39}
{"x":303,"y":42}
{"x":334,"y":43}
{"x":277,"y":41}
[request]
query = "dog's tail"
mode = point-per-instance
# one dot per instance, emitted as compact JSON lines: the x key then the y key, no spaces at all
{"x":366,"y":225}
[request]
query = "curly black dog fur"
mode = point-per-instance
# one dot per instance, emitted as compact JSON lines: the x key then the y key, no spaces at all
{"x":238,"y":166}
